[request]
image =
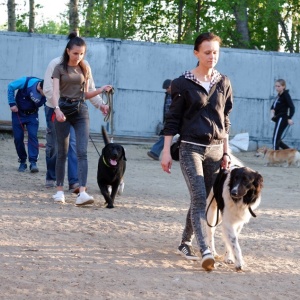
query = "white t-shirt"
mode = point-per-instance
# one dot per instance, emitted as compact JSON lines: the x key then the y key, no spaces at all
{"x":206,"y":85}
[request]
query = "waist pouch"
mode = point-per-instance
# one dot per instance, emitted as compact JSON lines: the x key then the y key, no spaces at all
{"x":70,"y":106}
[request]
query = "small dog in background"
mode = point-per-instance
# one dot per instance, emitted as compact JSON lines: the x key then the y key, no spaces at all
{"x":111,"y":169}
{"x":285,"y":157}
{"x":235,"y":194}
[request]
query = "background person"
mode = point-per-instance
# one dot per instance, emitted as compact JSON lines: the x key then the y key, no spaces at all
{"x":24,"y":107}
{"x":51,"y":144}
{"x":70,"y":83}
{"x":156,"y":149}
{"x":204,"y":129}
{"x":282,"y":111}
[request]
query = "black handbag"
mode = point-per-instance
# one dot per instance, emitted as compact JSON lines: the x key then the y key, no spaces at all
{"x":175,"y":150}
{"x":70,"y":107}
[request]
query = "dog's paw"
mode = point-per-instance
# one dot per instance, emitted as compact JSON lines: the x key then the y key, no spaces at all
{"x":228,"y":259}
{"x":109,"y":206}
{"x":239,"y":268}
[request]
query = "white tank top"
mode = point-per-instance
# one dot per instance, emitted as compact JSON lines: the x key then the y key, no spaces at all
{"x":206,"y":85}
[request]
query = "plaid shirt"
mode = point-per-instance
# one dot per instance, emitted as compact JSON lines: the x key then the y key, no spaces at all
{"x":215,"y":77}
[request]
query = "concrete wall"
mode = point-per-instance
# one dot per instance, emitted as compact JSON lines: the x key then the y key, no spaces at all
{"x":137,"y":70}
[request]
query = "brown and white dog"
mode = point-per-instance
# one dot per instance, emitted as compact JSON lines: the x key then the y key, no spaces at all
{"x":236,"y":193}
{"x":287,"y":157}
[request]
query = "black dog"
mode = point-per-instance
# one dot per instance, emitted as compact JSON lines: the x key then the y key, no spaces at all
{"x":111,"y":169}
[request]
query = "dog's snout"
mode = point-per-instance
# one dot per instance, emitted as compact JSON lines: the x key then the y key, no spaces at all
{"x":234,"y":192}
{"x":114,"y":156}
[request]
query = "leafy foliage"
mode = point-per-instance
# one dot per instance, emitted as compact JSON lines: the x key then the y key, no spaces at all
{"x":254,"y":24}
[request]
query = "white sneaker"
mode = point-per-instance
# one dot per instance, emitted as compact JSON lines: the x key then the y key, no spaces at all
{"x":59,"y":197}
{"x":121,"y":188}
{"x":84,"y":198}
{"x":208,"y":261}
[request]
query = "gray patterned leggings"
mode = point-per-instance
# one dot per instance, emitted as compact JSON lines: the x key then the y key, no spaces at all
{"x":199,"y":166}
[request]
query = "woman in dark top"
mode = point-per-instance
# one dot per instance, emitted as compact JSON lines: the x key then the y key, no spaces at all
{"x":70,"y":83}
{"x":282,"y":111}
{"x":203,"y":126}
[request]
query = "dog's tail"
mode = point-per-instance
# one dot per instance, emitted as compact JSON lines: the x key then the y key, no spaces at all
{"x":105,"y":136}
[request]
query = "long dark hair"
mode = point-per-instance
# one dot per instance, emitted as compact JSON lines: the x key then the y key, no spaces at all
{"x":207,"y":36}
{"x":74,"y":40}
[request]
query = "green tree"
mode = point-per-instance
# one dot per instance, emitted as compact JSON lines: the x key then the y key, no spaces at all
{"x":252,"y":24}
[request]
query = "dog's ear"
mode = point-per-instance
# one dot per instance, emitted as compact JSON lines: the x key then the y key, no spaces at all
{"x":123,"y":154}
{"x":258,"y":181}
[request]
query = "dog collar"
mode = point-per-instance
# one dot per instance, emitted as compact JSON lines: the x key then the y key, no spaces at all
{"x":105,"y":162}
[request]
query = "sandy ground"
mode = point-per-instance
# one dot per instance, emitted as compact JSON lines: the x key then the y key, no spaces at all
{"x":53,"y":251}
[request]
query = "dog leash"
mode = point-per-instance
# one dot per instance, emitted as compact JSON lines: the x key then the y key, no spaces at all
{"x":217,"y":182}
{"x":108,"y":101}
{"x":94,"y":145}
{"x":217,"y":221}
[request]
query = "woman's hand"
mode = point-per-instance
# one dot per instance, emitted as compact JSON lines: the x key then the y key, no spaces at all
{"x":104,"y":109}
{"x":166,"y":161}
{"x":226,"y":161}
{"x":166,"y":158}
{"x":60,"y":117}
{"x":105,"y":88}
{"x":291,"y":122}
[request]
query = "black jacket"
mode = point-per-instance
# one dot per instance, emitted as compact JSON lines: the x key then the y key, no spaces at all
{"x":282,"y":104}
{"x":192,"y":117}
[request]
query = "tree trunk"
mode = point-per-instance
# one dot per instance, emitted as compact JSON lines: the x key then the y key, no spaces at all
{"x":180,"y":21}
{"x":89,"y":13}
{"x":31,"y":16}
{"x":241,"y":17}
{"x":284,"y":30}
{"x":198,"y":16}
{"x":73,"y":16}
{"x":11,"y":14}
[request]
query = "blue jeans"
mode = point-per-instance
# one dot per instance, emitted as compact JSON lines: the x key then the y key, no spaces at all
{"x":200,"y":166}
{"x":51,"y":150}
{"x":158,"y":146}
{"x":81,"y":125}
{"x":72,"y":158}
{"x":31,"y":123}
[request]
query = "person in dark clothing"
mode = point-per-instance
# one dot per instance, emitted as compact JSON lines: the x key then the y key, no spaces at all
{"x":156,"y":149}
{"x":24,"y":107}
{"x":282,"y":111}
{"x":204,"y":128}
